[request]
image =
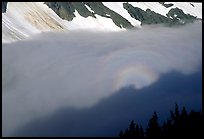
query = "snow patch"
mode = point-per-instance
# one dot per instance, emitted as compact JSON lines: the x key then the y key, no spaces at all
{"x":95,"y":24}
{"x":118,"y":8}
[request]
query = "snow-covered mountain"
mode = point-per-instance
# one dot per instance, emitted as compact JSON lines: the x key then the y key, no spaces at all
{"x":23,"y":19}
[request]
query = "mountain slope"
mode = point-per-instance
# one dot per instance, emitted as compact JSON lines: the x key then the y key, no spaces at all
{"x":22,"y":20}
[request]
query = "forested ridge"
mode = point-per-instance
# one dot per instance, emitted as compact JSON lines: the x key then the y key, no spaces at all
{"x":180,"y":124}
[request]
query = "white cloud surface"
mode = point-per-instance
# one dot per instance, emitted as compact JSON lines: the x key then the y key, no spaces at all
{"x":78,"y":68}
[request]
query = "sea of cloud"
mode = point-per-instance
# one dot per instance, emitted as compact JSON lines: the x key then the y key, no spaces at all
{"x":79,"y":68}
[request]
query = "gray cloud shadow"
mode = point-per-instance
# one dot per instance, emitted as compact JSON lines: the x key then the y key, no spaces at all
{"x":115,"y":112}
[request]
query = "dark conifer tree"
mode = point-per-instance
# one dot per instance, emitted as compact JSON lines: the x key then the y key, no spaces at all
{"x":141,"y":132}
{"x":126,"y":134}
{"x":179,"y":125}
{"x":132,"y":126}
{"x":132,"y":129}
{"x":121,"y":133}
{"x":153,"y":130}
{"x":176,"y":111}
{"x":137,"y":131}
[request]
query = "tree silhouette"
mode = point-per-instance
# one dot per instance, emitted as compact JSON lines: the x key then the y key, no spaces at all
{"x":178,"y":125}
{"x":184,"y":113}
{"x":167,"y":129}
{"x":176,"y":111}
{"x":153,"y":130}
{"x":184,"y":123}
{"x":132,"y":126}
{"x":137,"y":131}
{"x":133,"y":131}
{"x":141,"y":132}
{"x":121,"y":133}
{"x":126,"y":134}
{"x":196,"y":124}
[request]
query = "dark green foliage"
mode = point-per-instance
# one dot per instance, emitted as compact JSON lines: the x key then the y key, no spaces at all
{"x":98,"y":8}
{"x":66,"y":11}
{"x":174,"y":17}
{"x":192,"y":4}
{"x":179,"y":16}
{"x":166,"y":5}
{"x":179,"y":125}
{"x":81,"y":8}
{"x":104,"y":11}
{"x":146,"y":17}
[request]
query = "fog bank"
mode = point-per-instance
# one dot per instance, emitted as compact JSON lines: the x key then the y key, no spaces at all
{"x":78,"y":68}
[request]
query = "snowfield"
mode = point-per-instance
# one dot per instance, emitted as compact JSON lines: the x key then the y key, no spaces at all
{"x":24,"y":19}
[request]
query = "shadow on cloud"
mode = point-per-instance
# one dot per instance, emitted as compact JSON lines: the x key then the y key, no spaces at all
{"x":115,"y":112}
{"x":78,"y":69}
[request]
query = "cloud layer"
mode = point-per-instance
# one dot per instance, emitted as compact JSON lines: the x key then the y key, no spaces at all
{"x":79,"y":68}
